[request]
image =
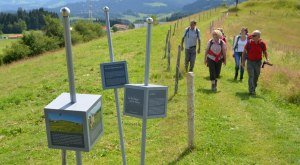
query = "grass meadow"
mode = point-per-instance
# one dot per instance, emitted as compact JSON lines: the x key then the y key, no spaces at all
{"x":230,"y":126}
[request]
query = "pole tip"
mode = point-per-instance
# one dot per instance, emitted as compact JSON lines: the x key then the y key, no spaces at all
{"x":65,"y":12}
{"x":106,"y":8}
{"x":149,"y":20}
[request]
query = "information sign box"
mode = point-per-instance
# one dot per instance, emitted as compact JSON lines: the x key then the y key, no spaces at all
{"x":114,"y":75}
{"x":135,"y":100}
{"x":74,"y":126}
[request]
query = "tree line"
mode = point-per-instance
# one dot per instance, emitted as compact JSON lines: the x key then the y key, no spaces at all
{"x":50,"y":37}
{"x":23,"y":20}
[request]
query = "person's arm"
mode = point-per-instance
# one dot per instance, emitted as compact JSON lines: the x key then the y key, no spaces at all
{"x":199,"y":45}
{"x":182,"y":40}
{"x":205,"y":54}
{"x":234,"y":42}
{"x":265,"y":53}
{"x":243,"y":57}
{"x":224,"y":51}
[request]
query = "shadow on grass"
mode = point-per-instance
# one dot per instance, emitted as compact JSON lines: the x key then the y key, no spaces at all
{"x":186,"y":152}
{"x":207,"y":78}
{"x":207,"y":91}
{"x":246,"y":96}
{"x":234,"y":81}
{"x":243,"y":95}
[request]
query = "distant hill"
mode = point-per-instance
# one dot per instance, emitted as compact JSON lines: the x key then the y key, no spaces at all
{"x":127,"y":7}
{"x":201,"y":5}
{"x":13,"y":5}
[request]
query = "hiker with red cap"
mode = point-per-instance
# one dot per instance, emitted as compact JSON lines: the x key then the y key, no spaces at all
{"x":215,"y":54}
{"x":255,"y":49}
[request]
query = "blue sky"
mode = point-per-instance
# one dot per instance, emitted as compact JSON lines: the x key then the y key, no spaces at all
{"x":66,"y":117}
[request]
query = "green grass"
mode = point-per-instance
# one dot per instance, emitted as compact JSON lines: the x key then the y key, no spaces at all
{"x":230,"y":126}
{"x":5,"y":43}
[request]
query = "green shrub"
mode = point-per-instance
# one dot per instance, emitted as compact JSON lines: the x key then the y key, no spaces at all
{"x":1,"y":59}
{"x":88,"y":30}
{"x":39,"y":42}
{"x":15,"y":52}
{"x":297,"y":6}
{"x":76,"y":37}
{"x":294,"y":98}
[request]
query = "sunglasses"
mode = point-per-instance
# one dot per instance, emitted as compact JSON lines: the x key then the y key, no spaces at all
{"x":254,"y":35}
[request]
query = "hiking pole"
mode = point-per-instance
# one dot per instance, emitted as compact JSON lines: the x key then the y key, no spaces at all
{"x":121,"y":134}
{"x":65,"y":12}
{"x":266,"y":63}
{"x":145,"y":113}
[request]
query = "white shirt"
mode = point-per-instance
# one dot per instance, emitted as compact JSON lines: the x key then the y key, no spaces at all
{"x":241,"y":44}
{"x":190,"y":37}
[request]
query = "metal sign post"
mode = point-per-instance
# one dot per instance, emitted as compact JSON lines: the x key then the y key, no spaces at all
{"x":65,"y":12}
{"x":145,"y":113}
{"x":121,"y":135}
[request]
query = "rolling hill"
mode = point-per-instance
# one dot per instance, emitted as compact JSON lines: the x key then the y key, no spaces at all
{"x":231,"y":127}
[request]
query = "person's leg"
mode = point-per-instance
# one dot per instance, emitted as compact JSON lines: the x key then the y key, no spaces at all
{"x":257,"y":68}
{"x":192,"y":59}
{"x":237,"y":64}
{"x":250,"y":69}
{"x":186,"y":60}
{"x":218,"y":68}
{"x":242,"y":69}
{"x":212,"y":73}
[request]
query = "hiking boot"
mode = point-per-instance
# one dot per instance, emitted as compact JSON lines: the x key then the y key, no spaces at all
{"x":236,"y":74}
{"x":213,"y":87}
{"x":252,"y":93}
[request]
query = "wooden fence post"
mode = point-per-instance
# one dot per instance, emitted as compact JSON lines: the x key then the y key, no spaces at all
{"x":177,"y":70}
{"x":166,"y":48}
{"x":190,"y":109}
{"x":174,"y":29}
{"x":169,"y":55}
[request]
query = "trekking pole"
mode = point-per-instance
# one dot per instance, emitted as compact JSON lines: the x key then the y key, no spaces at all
{"x":121,"y":134}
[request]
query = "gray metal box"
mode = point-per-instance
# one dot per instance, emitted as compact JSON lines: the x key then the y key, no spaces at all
{"x":138,"y":97}
{"x":114,"y":74}
{"x":74,"y":126}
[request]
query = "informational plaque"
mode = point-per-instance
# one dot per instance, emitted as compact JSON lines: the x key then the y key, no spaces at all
{"x":137,"y":97}
{"x":114,"y":75}
{"x":74,"y":126}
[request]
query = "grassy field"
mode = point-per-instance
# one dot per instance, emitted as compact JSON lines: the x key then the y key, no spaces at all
{"x":5,"y":43}
{"x":230,"y":126}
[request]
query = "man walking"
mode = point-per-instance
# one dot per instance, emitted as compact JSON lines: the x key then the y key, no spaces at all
{"x":190,"y":38}
{"x":255,"y":49}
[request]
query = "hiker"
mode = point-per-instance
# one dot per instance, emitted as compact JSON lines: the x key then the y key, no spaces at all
{"x":255,"y":48}
{"x":215,"y":54}
{"x":224,"y":39}
{"x":238,"y":48}
{"x":223,"y":34}
{"x":190,"y":38}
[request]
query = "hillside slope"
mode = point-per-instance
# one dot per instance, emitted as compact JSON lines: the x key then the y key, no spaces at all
{"x":231,"y":127}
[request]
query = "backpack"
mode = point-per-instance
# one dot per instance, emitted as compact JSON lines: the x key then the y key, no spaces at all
{"x":188,"y":29}
{"x":237,"y":40}
{"x":211,"y":43}
{"x":236,"y":43}
{"x":221,"y":44}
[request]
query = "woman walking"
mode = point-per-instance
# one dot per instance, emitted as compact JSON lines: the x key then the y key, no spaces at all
{"x":215,"y":54}
{"x":238,"y":48}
